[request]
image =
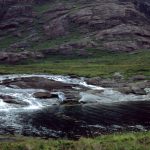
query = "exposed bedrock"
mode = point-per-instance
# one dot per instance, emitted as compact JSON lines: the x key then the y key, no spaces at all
{"x":113,"y":25}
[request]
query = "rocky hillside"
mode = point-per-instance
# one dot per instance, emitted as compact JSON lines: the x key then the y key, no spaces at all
{"x":73,"y":26}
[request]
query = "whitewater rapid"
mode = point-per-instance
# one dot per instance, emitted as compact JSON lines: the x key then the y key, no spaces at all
{"x":101,"y":110}
{"x":94,"y":94}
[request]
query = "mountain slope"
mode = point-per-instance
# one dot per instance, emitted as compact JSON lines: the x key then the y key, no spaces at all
{"x":71,"y":27}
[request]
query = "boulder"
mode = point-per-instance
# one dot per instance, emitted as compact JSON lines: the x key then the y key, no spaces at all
{"x":71,"y":96}
{"x":94,"y":80}
{"x":117,"y":76}
{"x":12,"y":100}
{"x":44,"y":95}
{"x":138,"y":78}
{"x":36,"y":83}
{"x":125,"y":90}
{"x":137,"y":88}
{"x":107,"y":83}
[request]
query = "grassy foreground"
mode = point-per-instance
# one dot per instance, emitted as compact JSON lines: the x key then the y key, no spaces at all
{"x":126,"y":141}
{"x":101,"y":64}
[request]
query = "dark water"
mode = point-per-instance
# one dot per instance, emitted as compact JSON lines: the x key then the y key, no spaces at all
{"x":80,"y":120}
{"x":105,"y":111}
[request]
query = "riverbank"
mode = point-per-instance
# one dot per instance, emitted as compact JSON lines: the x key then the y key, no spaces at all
{"x":100,"y":64}
{"x":124,"y":141}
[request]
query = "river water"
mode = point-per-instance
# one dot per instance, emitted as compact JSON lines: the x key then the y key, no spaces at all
{"x":102,"y":112}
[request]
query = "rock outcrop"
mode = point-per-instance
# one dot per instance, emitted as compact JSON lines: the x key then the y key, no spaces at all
{"x":36,"y":83}
{"x":18,"y":57}
{"x":51,"y":89}
{"x":112,"y":25}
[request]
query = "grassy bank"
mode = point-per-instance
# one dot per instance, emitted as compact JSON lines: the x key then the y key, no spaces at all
{"x":101,"y":64}
{"x":128,"y":141}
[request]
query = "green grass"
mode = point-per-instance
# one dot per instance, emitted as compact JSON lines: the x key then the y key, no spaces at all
{"x":124,"y":141}
{"x":7,"y":41}
{"x":101,"y":64}
{"x":50,"y":43}
{"x":42,"y":8}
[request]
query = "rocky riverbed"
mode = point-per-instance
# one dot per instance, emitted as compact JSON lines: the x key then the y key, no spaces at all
{"x":59,"y":106}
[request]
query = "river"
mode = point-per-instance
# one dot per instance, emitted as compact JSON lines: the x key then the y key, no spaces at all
{"x":100,"y":111}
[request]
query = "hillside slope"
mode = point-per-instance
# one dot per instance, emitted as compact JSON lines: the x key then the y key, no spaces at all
{"x":72,"y":27}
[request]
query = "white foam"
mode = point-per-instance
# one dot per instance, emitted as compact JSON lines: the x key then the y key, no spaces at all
{"x":111,"y":96}
{"x":102,"y":95}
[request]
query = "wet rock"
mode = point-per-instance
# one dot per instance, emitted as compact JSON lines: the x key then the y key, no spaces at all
{"x":44,"y":95}
{"x":140,"y":128}
{"x":94,"y":80}
{"x":107,"y":83}
{"x":125,"y":90}
{"x":70,"y":102}
{"x":110,"y":83}
{"x":12,"y":100}
{"x":37,"y":83}
{"x":8,"y":99}
{"x":71,"y":97}
{"x":73,"y":76}
{"x":132,"y":90}
{"x":138,"y":78}
{"x":137,"y":88}
{"x":117,"y":76}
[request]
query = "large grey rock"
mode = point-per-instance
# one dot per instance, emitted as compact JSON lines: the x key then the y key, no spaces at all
{"x":44,"y":95}
{"x":36,"y":83}
{"x":138,"y":78}
{"x":12,"y":100}
{"x":137,"y":88}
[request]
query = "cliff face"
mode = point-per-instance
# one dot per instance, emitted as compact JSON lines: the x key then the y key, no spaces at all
{"x":114,"y":25}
